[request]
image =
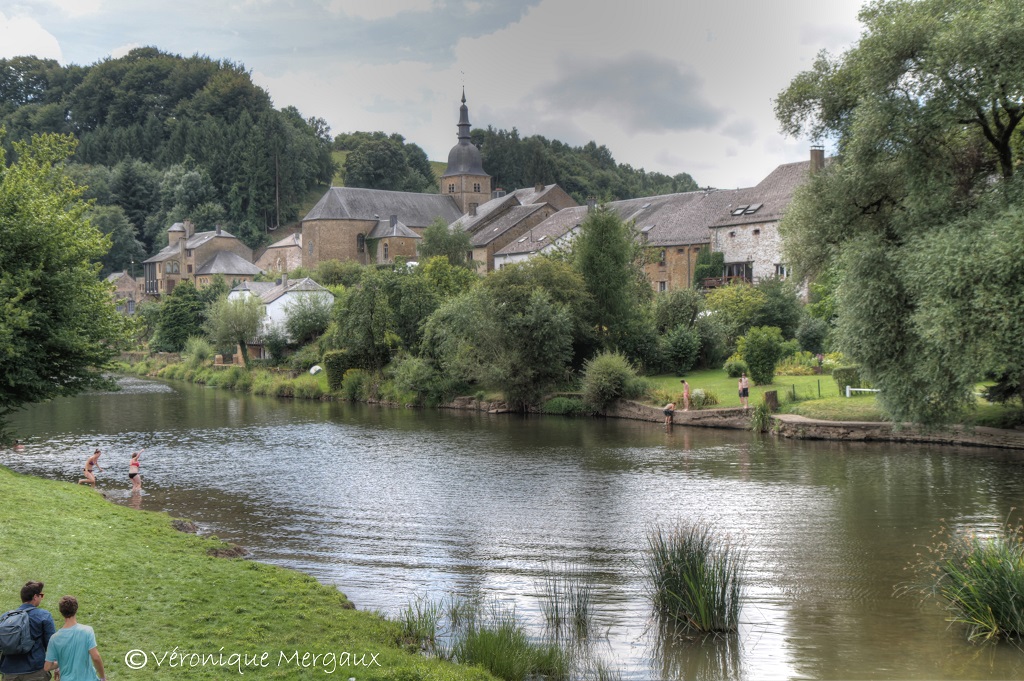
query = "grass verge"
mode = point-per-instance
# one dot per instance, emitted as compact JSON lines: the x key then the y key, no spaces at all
{"x":144,"y":586}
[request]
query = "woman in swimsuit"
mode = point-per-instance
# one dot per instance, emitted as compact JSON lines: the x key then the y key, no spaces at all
{"x":92,"y":461}
{"x":133,"y":471}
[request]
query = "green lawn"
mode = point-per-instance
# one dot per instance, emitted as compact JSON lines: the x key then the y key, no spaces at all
{"x":144,"y":586}
{"x":717,"y":381}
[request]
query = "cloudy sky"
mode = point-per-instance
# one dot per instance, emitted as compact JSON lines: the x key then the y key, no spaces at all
{"x":667,"y":85}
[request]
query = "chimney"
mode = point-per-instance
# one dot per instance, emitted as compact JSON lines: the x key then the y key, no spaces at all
{"x":472,"y":209}
{"x":591,"y":204}
{"x":498,"y":193}
{"x":539,"y":187}
{"x":284,"y":280}
{"x":817,"y":158}
{"x":394,"y":223}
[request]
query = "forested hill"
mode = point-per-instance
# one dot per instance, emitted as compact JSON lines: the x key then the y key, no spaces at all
{"x":164,"y":137}
{"x":379,"y":161}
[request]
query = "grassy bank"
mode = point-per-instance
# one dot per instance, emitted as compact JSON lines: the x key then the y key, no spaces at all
{"x":143,"y":586}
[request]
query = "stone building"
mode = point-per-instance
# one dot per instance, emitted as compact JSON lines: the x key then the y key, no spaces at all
{"x":127,"y":291}
{"x":197,"y":257}
{"x":282,"y":256}
{"x":506,"y":217}
{"x":464,"y":180}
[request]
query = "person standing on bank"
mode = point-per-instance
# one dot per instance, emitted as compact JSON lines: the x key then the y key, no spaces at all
{"x":30,"y":666}
{"x":72,"y":650}
{"x":744,"y":388}
{"x":686,"y":395}
{"x":92,"y":461}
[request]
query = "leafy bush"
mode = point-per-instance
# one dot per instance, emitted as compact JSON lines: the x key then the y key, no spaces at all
{"x":802,"y":363}
{"x":335,"y":363}
{"x":681,"y":348}
{"x":197,"y":351}
{"x":760,"y":417}
{"x":354,"y":384}
{"x":309,"y":314}
{"x":734,"y":366}
{"x":275,"y":340}
{"x":565,"y":406}
{"x":417,"y":379}
{"x":609,"y":377}
{"x":812,"y":334}
{"x":846,"y":376}
{"x":702,"y":397}
{"x":762,"y":348}
{"x":305,"y":358}
{"x":307,"y":387}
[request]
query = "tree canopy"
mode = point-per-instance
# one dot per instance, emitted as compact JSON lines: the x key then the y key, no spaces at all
{"x":58,"y":323}
{"x":917,"y":218}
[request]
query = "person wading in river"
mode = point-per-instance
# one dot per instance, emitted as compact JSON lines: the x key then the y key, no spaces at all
{"x":92,"y":461}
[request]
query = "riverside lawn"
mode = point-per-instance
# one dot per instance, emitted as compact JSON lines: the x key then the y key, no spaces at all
{"x":144,"y":586}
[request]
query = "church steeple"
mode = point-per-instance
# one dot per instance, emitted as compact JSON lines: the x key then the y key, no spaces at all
{"x":464,"y":178}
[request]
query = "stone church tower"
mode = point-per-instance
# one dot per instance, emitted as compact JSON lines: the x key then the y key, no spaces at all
{"x":464,"y":179}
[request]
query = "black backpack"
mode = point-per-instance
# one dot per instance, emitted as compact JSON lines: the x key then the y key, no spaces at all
{"x":16,"y":632}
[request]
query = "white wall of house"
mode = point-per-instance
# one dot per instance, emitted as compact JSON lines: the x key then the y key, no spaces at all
{"x":759,"y":244}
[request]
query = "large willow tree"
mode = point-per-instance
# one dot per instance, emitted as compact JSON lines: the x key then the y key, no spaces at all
{"x":920,"y":213}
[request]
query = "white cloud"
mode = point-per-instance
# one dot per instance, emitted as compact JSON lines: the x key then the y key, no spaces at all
{"x":24,"y":36}
{"x":77,"y":8}
{"x":123,"y":50}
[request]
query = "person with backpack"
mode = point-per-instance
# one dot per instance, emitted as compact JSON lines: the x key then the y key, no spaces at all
{"x":72,"y":650}
{"x":24,"y":635}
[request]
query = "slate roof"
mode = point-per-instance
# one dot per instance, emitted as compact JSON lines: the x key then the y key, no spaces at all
{"x":415,"y":210}
{"x":484,"y":211}
{"x":547,"y":232}
{"x":269,"y":291}
{"x":506,"y":221}
{"x":384,"y":228}
{"x":767,"y":201}
{"x":194,"y":241}
{"x":288,"y":242}
{"x":226,"y":262}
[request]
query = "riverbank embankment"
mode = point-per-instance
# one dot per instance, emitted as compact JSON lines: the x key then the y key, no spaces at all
{"x":163,"y":603}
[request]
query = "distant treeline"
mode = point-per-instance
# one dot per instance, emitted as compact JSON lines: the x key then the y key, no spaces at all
{"x":163,"y":138}
{"x":377,"y":160}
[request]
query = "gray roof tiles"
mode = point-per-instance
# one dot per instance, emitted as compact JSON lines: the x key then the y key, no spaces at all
{"x":269,"y":291}
{"x":194,"y":241}
{"x":506,"y":221}
{"x":415,"y":210}
{"x":226,"y":262}
{"x":384,"y":228}
{"x":771,"y":197}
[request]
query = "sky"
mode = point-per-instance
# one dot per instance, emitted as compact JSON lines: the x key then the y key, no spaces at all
{"x":667,"y":85}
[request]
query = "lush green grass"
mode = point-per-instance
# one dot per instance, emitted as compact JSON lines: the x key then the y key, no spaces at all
{"x":144,"y":586}
{"x":694,"y":578}
{"x":861,"y":408}
{"x":724,"y":387}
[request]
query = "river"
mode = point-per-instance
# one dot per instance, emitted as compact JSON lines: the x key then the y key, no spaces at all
{"x":392,"y":505}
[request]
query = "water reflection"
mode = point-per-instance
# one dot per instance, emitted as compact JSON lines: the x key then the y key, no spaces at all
{"x":395,"y":504}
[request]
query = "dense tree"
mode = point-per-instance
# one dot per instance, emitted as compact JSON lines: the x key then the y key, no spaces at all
{"x":607,"y":254}
{"x":182,"y":314}
{"x":234,"y":322}
{"x":926,"y":110}
{"x":126,"y":252}
{"x":378,"y":161}
{"x":440,"y":240}
{"x":366,"y":322}
{"x":307,"y":317}
{"x":58,"y":325}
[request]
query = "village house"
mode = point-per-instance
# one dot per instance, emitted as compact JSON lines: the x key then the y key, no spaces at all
{"x":277,"y":297}
{"x":127,"y":291}
{"x":282,"y":256}
{"x":197,"y":257}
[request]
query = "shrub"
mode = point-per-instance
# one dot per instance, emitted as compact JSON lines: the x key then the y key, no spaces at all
{"x":307,"y":387}
{"x":197,"y":351}
{"x":760,"y":417}
{"x":681,"y":348}
{"x":305,"y":358}
{"x":565,"y":406}
{"x":734,"y":366}
{"x":355,"y":384}
{"x":263,"y":383}
{"x":606,"y":378}
{"x":846,"y":376}
{"x":275,"y":340}
{"x":693,"y":577}
{"x":335,"y":363}
{"x":762,"y":348}
{"x":811,"y":334}
{"x":702,"y":397}
{"x":798,"y":364}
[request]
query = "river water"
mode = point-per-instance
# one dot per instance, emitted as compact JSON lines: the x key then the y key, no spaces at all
{"x":392,"y":505}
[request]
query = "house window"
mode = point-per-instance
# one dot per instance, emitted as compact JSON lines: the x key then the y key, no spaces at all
{"x":188,"y":253}
{"x":742,"y":271}
{"x":661,"y":257}
{"x":311,"y":248}
{"x":476,"y":187}
{"x":469,"y":256}
{"x":385,"y":250}
{"x":361,"y":243}
{"x":662,"y":286}
{"x":756,"y":232}
{"x":451,"y":189}
{"x":781,"y":270}
{"x":189,"y":268}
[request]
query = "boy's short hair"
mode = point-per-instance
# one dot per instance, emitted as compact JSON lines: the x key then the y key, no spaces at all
{"x":29,"y":591}
{"x":68,"y":606}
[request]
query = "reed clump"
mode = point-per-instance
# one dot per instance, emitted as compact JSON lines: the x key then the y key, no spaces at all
{"x":566,"y":599}
{"x":981,"y":580}
{"x":694,"y":578}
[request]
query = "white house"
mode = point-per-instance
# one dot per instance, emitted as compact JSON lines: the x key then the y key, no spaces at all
{"x":278,"y":296}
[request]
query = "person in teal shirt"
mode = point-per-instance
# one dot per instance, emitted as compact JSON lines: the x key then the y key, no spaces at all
{"x":73,"y":647}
